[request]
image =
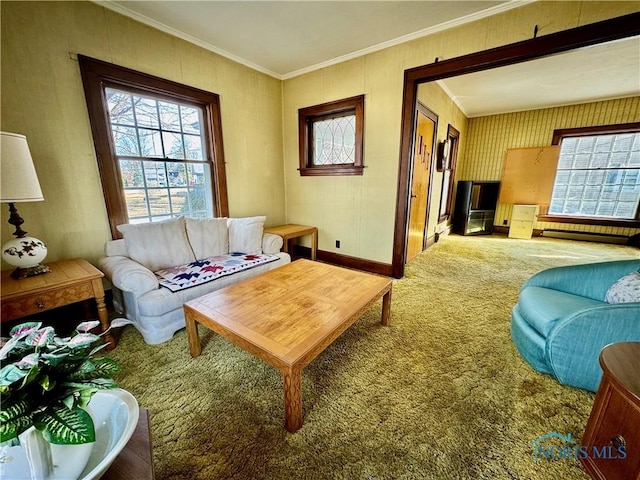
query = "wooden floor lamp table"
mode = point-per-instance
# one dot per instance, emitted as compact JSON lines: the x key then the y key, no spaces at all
{"x":67,"y":282}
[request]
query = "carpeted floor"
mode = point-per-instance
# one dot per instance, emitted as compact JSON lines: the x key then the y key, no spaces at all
{"x":439,"y":394}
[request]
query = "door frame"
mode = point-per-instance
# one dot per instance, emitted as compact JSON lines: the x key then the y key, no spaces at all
{"x":536,"y":47}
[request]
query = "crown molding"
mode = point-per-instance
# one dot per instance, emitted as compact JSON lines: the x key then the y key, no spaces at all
{"x":504,"y":7}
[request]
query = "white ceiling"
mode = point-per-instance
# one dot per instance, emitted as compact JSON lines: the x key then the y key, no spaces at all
{"x":288,"y":38}
{"x":599,"y":72}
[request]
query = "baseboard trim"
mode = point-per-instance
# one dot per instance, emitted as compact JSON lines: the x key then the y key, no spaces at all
{"x":370,"y":266}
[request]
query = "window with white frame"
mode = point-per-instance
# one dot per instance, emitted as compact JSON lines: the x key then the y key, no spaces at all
{"x":159,"y":147}
{"x":598,"y":176}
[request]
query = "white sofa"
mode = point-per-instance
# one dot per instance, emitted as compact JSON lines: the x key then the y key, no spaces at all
{"x":130,"y":263}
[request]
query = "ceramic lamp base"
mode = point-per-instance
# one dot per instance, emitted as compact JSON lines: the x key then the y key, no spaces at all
{"x":25,"y":253}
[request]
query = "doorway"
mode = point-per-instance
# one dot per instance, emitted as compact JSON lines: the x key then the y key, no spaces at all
{"x":566,"y":40}
{"x":426,"y":126}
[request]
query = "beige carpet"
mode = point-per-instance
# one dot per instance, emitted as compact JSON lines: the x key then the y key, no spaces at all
{"x":439,"y":394}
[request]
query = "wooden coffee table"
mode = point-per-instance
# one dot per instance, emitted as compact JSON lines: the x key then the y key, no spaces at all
{"x":287,"y":316}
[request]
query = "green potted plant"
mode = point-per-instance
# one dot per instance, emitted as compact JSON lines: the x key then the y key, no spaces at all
{"x":46,"y":382}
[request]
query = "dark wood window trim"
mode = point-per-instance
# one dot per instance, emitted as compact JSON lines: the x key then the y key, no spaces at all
{"x":453,"y":136}
{"x":307,"y":116}
{"x":561,"y":133}
{"x":563,"y":41}
{"x":96,"y":76}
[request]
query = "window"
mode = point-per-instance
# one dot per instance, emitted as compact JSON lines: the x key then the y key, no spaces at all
{"x":158,"y":144}
{"x":449,"y":173}
{"x":331,"y":138}
{"x":598,"y":174}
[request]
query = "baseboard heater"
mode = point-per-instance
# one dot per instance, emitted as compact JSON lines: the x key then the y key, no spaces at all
{"x":586,"y":236}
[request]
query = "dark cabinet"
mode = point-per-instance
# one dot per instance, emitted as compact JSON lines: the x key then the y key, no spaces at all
{"x":475,"y":207}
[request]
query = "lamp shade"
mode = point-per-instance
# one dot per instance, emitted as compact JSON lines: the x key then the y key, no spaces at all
{"x":17,"y":173}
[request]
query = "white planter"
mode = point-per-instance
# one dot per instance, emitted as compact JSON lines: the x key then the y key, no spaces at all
{"x":115,"y":416}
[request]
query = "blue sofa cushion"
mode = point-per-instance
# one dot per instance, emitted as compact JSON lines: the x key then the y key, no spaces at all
{"x":543,"y":307}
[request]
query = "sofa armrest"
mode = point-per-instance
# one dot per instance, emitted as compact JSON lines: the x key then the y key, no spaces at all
{"x":127,"y":275}
{"x":573,"y":345}
{"x":591,"y":280}
{"x":271,"y":243}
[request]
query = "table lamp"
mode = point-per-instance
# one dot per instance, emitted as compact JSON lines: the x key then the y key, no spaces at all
{"x":19,"y":183}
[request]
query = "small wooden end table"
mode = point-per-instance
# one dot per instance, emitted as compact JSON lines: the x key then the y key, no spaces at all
{"x":614,"y":422}
{"x":69,"y":281}
{"x":135,"y":460}
{"x":288,"y":316}
{"x":291,"y":231}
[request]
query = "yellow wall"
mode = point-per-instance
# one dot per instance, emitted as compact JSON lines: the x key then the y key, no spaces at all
{"x":435,"y":99}
{"x":42,"y":97}
{"x":360,"y":211}
{"x":489,"y":137}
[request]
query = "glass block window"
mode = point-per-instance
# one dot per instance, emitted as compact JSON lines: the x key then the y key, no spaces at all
{"x":331,"y":138}
{"x":598,"y":176}
{"x":159,"y":146}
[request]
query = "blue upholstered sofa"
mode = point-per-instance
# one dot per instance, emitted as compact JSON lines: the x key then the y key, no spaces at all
{"x":561,"y":320}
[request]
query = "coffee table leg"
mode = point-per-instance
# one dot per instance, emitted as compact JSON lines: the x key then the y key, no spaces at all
{"x":292,"y":400}
{"x":386,"y":307}
{"x":192,"y":335}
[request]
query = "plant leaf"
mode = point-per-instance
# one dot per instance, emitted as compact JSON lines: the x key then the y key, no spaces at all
{"x":85,"y":396}
{"x":86,"y":327}
{"x":62,"y":426}
{"x":24,"y":329}
{"x":28,"y":361}
{"x":97,"y":368}
{"x":39,"y":338}
{"x":99,"y":383}
{"x":14,"y":419}
{"x":120,"y":322}
{"x":82,"y":340}
{"x":10,"y":374}
{"x":7,"y":347}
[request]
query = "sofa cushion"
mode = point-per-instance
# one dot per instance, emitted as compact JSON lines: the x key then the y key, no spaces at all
{"x":245,"y":234}
{"x":543,"y":307}
{"x":625,"y":290}
{"x":158,"y":245}
{"x":208,"y":237}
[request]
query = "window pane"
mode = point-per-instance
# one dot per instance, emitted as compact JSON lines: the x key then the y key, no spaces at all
{"x":598,"y":176}
{"x":193,"y":146}
{"x":131,"y":172}
{"x":146,"y":112}
{"x":173,"y":147}
{"x":169,"y":116}
{"x":177,"y":172}
{"x":196,"y":174}
{"x":120,"y":107}
{"x":126,"y":141}
{"x":136,"y":203}
{"x":150,"y":143}
{"x":159,"y":201}
{"x":154,"y":174}
{"x":334,"y":141}
{"x":190,"y":119}
{"x":179,"y":200}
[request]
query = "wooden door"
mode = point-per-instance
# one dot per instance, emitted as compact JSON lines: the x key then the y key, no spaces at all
{"x":420,"y":182}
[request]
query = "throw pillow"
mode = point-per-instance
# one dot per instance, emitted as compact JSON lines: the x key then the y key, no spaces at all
{"x":245,"y":234}
{"x":158,"y":245}
{"x":625,"y":290}
{"x":208,"y":237}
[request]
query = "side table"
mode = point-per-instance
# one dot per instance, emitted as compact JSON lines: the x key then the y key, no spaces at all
{"x":135,"y":460}
{"x":614,"y":422}
{"x":69,"y":281}
{"x":291,"y":231}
